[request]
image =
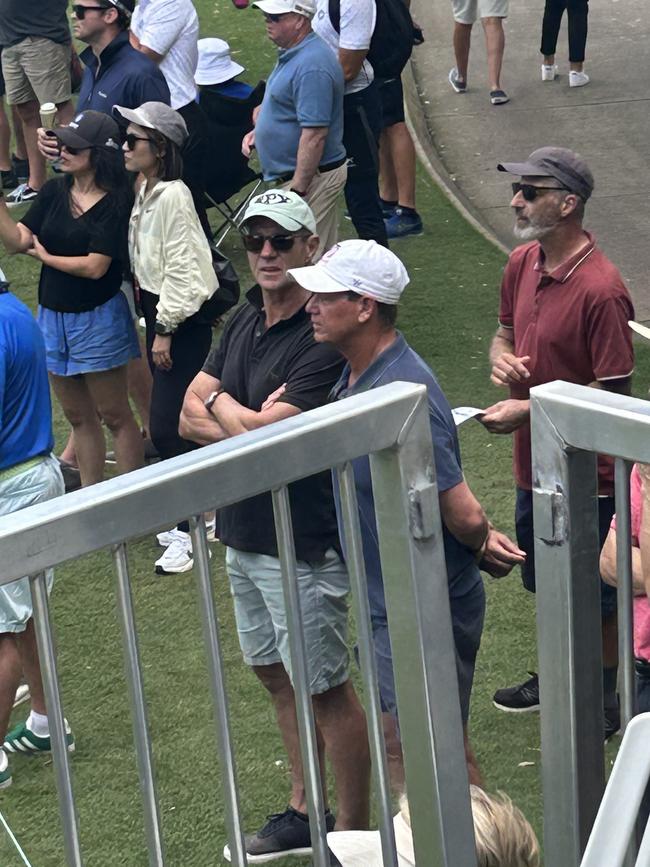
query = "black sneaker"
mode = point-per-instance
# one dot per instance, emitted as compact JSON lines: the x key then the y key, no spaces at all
{"x":612,"y":720}
{"x":522,"y":698}
{"x":21,"y":168}
{"x":284,"y":834}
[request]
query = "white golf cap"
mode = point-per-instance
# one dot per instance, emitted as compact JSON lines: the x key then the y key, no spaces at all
{"x":215,"y":63}
{"x":363,"y":848}
{"x":279,"y":7}
{"x":364,"y":267}
{"x":285,"y":208}
{"x":643,"y":330}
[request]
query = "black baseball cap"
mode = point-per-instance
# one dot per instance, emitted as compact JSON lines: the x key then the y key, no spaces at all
{"x":125,"y":6}
{"x":565,"y":165}
{"x":90,"y":129}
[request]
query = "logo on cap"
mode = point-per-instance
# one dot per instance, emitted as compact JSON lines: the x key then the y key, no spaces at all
{"x":272,"y":199}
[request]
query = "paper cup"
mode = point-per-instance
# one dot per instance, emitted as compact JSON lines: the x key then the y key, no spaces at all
{"x":48,"y":115}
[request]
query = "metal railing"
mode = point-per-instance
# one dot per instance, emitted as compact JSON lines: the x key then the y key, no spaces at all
{"x":570,"y":424}
{"x":391,"y":424}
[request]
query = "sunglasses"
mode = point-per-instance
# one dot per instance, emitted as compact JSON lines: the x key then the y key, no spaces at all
{"x":530,"y":192}
{"x":274,"y":17}
{"x":80,"y":11}
{"x":280,"y":243}
{"x":132,"y":140}
{"x":74,"y":151}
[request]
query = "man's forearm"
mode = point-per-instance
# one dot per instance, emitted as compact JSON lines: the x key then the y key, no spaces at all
{"x":308,"y":158}
{"x":235,"y":418}
{"x":198,"y":425}
{"x":498,"y":346}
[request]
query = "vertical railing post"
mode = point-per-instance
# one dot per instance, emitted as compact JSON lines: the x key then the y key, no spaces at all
{"x":135,"y":685}
{"x":361,"y":606}
{"x":625,"y":592}
{"x":46,"y":653}
{"x":565,"y":518}
{"x":419,"y":620}
{"x":218,"y":689}
{"x":300,"y":678}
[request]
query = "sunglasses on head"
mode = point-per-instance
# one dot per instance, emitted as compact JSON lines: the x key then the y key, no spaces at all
{"x":80,"y":11}
{"x":132,"y":140}
{"x":280,"y":243}
{"x":274,"y":17}
{"x":530,"y":191}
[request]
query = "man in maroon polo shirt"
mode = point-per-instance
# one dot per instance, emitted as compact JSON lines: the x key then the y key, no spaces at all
{"x":563,"y":315}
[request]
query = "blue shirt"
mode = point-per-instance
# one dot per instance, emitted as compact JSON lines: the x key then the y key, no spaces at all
{"x":233,"y":89}
{"x":304,"y":90}
{"x":25,"y":408}
{"x":125,"y":77}
{"x":399,"y":363}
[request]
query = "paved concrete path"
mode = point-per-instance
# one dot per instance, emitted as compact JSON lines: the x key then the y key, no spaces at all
{"x":608,"y":121}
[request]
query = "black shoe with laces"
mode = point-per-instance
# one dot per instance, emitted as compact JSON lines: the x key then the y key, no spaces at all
{"x":522,"y":698}
{"x":612,"y":719}
{"x":283,"y":834}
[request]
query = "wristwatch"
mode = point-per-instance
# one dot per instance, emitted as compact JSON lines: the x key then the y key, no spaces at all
{"x":301,"y":193}
{"x":208,"y":403}
{"x":163,"y":330}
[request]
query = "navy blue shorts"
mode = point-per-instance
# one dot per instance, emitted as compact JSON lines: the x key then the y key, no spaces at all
{"x":391,"y":94}
{"x":467,"y":615}
{"x":526,"y":541}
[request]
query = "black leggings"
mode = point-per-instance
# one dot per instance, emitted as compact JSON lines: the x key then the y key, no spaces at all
{"x":190,"y":347}
{"x":577,"y":13}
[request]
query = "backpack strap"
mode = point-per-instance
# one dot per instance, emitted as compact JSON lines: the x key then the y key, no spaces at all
{"x":334,"y":12}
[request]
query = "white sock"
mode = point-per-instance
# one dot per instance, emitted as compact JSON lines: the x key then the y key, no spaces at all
{"x":37,"y":723}
{"x":4,"y":761}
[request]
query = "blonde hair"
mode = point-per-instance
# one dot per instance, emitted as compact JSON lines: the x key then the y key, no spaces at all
{"x":504,"y":837}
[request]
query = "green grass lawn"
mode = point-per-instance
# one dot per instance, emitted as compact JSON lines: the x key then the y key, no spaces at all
{"x":449,"y":315}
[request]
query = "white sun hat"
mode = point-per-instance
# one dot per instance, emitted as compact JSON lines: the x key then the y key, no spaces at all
{"x":364,"y":267}
{"x":215,"y":63}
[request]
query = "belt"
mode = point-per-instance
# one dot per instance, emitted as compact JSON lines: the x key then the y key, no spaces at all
{"x":17,"y":469}
{"x":328,"y":167}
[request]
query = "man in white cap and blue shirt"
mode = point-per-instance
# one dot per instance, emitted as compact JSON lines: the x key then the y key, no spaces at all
{"x":268,"y":367}
{"x":356,"y":287}
{"x":299,"y":127}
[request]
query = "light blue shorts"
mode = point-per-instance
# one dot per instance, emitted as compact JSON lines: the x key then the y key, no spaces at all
{"x":89,"y":342}
{"x":36,"y":484}
{"x":256,"y":585}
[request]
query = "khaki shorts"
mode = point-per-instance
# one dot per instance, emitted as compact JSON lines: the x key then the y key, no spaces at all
{"x":37,"y":69}
{"x":323,"y":198}
{"x":468,"y":11}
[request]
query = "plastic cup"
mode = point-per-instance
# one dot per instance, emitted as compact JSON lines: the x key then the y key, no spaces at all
{"x":48,"y":115}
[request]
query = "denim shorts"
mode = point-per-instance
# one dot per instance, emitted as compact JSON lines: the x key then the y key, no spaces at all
{"x":526,"y":541}
{"x":467,"y":615}
{"x":36,"y":484}
{"x":256,"y":586}
{"x":89,"y":342}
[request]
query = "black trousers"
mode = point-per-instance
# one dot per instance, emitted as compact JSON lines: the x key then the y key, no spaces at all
{"x":577,"y":13}
{"x":361,"y":130}
{"x":190,"y":347}
{"x":195,"y":156}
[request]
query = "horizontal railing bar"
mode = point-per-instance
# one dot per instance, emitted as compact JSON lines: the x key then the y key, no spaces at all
{"x":596,"y":420}
{"x":110,"y":512}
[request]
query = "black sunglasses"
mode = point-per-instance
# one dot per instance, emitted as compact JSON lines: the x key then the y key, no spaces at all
{"x":280,"y":243}
{"x":80,"y":11}
{"x":530,"y":191}
{"x":74,"y":151}
{"x":132,"y":140}
{"x":274,"y":17}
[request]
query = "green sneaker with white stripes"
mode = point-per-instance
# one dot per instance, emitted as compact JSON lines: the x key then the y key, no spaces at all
{"x":22,"y":740}
{"x":5,"y":774}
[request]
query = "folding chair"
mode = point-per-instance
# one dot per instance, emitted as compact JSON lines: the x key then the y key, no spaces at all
{"x":613,"y":835}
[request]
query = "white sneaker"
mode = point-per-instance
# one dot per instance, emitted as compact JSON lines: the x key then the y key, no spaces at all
{"x":578,"y":79}
{"x":166,"y":538}
{"x":177,"y":557}
{"x":549,"y":73}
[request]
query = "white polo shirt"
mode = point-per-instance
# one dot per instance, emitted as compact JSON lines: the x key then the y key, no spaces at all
{"x":171,"y":28}
{"x":357,"y":26}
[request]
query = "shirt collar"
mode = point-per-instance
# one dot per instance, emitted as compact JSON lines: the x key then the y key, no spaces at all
{"x":285,"y":54}
{"x":562,"y":273}
{"x":89,"y":58}
{"x":371,"y":374}
{"x":256,"y":299}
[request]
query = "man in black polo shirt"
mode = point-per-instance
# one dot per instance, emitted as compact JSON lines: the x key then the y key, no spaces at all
{"x":268,"y":367}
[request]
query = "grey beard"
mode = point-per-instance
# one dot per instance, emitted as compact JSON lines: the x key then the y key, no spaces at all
{"x":531,"y":232}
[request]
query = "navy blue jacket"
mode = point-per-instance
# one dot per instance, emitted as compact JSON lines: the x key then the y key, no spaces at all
{"x":126,"y":77}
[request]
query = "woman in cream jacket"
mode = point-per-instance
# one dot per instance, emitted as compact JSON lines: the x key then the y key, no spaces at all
{"x":173,"y":275}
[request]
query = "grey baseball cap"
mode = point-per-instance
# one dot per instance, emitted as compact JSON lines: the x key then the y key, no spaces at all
{"x":158,"y":116}
{"x":284,"y":207}
{"x":565,"y":165}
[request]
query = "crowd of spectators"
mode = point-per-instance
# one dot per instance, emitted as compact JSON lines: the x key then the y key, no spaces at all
{"x":121,"y":230}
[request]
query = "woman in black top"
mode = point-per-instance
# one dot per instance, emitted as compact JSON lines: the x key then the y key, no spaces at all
{"x":77,"y":229}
